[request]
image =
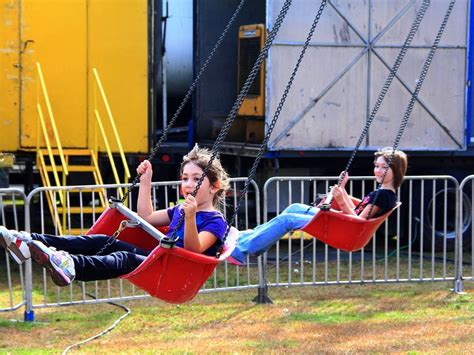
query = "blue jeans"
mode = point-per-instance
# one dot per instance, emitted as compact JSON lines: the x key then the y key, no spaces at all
{"x":118,"y":258}
{"x":258,"y":240}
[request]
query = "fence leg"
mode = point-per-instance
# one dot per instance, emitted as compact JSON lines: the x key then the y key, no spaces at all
{"x":29,"y":315}
{"x":458,"y":267}
{"x":459,"y":286}
{"x":262,"y":296}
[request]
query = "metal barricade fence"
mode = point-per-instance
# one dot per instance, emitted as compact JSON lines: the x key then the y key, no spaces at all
{"x":12,"y":216}
{"x":417,"y":242}
{"x":81,"y":217}
{"x":465,"y":238}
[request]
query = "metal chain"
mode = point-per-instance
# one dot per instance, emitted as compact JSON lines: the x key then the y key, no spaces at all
{"x":238,"y":102}
{"x":114,"y":237}
{"x":278,"y":110}
{"x":186,"y":98}
{"x":388,"y":82}
{"x":414,"y":96}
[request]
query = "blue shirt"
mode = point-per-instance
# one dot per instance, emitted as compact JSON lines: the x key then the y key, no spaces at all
{"x":209,"y":221}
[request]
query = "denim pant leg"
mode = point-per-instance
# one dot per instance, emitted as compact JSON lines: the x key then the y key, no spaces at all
{"x":261,"y":238}
{"x":104,"y":267}
{"x":86,"y":245}
{"x":301,"y":208}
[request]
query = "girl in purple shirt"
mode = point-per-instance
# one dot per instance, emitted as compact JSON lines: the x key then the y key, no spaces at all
{"x":76,"y":257}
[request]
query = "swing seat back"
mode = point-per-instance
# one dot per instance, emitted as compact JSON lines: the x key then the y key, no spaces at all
{"x":342,"y":231}
{"x":174,"y":275}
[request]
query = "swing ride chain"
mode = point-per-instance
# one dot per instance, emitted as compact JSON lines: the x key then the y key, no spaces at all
{"x":114,"y":237}
{"x":233,"y":113}
{"x":388,"y":82}
{"x":191,"y":89}
{"x":278,"y":110}
{"x":124,"y":224}
{"x":414,"y":96}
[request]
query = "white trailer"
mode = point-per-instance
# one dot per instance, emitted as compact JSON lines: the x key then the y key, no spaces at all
{"x":345,"y":67}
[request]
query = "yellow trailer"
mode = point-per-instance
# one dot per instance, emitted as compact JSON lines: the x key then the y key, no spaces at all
{"x":69,"y":39}
{"x":74,"y":83}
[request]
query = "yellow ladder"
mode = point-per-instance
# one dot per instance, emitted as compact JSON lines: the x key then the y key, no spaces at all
{"x":65,"y":206}
{"x":58,"y":166}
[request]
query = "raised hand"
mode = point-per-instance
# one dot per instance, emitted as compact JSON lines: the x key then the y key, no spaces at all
{"x":145,"y":170}
{"x":338,"y":194}
{"x":190,"y":206}
{"x":345,"y":178}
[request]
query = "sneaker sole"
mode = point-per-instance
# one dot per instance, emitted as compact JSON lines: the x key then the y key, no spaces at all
{"x":42,"y":258}
{"x":3,"y":242}
{"x":11,"y":253}
{"x":17,"y":254}
{"x":13,"y":250}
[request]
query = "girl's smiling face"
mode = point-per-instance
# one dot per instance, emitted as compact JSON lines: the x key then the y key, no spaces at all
{"x":380,"y":165}
{"x":189,"y":180}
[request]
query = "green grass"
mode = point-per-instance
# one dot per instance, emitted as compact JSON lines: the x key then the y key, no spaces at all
{"x":369,"y":318}
{"x":407,"y":318}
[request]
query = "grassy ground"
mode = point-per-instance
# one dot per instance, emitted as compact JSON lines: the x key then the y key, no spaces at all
{"x":395,"y":318}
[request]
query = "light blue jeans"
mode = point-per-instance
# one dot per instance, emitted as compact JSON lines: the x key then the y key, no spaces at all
{"x":258,"y":240}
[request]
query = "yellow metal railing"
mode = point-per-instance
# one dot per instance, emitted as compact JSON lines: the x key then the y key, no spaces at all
{"x":41,"y":88}
{"x":99,"y":122}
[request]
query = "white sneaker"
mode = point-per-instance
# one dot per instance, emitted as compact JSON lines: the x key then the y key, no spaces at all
{"x":59,"y":263}
{"x":15,"y":243}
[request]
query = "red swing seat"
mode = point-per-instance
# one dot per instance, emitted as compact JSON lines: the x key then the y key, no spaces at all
{"x":342,"y":231}
{"x":174,"y":275}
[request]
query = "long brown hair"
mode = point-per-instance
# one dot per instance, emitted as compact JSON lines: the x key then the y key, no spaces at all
{"x":216,"y":174}
{"x":399,"y":163}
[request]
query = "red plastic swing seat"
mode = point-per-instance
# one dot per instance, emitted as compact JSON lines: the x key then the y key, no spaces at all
{"x":174,"y":275}
{"x":342,"y":231}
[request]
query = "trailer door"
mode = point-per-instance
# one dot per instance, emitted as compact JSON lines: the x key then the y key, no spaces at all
{"x":69,"y":39}
{"x":54,"y":33}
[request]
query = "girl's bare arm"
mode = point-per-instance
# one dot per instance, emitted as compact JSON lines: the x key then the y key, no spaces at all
{"x":345,"y":203}
{"x":144,"y":206}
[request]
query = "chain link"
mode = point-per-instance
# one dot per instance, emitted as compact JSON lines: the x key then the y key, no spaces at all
{"x":186,"y":98}
{"x":235,"y":108}
{"x":414,"y":96}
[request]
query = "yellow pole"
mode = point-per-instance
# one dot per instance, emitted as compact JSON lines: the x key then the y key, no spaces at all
{"x":53,"y":122}
{"x":109,"y":151}
{"x":112,"y":123}
{"x":50,"y":151}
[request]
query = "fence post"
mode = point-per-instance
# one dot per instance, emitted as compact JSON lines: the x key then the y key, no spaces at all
{"x":29,"y":315}
{"x":458,"y":281}
{"x":262,"y":295}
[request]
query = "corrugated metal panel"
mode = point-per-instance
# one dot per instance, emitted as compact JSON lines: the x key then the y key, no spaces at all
{"x":344,"y":69}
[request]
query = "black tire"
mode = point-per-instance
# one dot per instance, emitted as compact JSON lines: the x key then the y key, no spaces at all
{"x":438,"y":218}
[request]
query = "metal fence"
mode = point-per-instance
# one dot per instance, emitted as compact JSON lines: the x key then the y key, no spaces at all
{"x":428,"y":239}
{"x":164,"y":194}
{"x":416,"y":243}
{"x":12,"y":212}
{"x":465,"y":257}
